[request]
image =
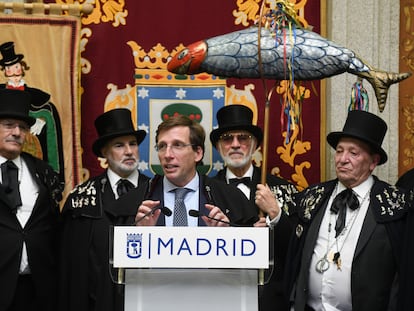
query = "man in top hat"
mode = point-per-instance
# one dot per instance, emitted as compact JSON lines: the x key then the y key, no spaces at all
{"x":15,"y":68}
{"x":236,"y":139}
{"x":88,"y":282}
{"x":345,"y":252}
{"x":30,"y":192}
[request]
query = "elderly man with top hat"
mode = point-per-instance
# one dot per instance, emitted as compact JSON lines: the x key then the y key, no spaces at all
{"x":30,"y":192}
{"x":48,"y":134}
{"x":88,"y":282}
{"x":236,"y":139}
{"x":344,"y":254}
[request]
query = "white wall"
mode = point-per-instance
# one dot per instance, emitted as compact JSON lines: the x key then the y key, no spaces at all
{"x":371,"y":29}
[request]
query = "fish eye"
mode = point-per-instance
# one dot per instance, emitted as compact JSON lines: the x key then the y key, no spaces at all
{"x":182,"y":54}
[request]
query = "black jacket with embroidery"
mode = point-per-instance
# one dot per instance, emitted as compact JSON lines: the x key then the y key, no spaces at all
{"x":388,"y":205}
{"x":86,"y":278}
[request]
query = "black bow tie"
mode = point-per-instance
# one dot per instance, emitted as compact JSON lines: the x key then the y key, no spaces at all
{"x":347,"y":198}
{"x":124,"y":185}
{"x":237,"y":181}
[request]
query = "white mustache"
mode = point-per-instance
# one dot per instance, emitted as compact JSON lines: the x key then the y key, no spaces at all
{"x":15,"y":140}
{"x":129,"y":158}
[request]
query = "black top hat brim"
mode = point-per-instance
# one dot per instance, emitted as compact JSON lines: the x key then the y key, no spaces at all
{"x":15,"y":104}
{"x":101,"y":141}
{"x":255,"y":130}
{"x":28,"y":119}
{"x":334,"y":137}
{"x":8,"y":62}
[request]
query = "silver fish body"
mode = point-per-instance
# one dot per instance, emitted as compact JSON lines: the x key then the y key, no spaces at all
{"x":312,"y":57}
{"x":300,"y":54}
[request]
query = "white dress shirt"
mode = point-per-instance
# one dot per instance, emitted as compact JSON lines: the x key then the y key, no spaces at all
{"x":191,"y":200}
{"x":114,"y":179}
{"x":245,"y":189}
{"x":331,"y":290}
{"x":29,"y":192}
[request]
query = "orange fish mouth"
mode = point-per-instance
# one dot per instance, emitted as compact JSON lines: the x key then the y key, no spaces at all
{"x":177,"y":67}
{"x":188,"y":60}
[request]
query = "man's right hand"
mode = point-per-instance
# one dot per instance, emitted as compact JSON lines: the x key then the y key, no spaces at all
{"x":145,"y":208}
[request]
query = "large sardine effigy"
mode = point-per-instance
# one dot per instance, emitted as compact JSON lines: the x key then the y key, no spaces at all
{"x":312,"y":57}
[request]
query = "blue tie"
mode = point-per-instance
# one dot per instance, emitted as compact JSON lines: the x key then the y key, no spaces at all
{"x":180,"y":212}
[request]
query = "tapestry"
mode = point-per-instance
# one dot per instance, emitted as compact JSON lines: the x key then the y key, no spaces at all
{"x":120,"y":39}
{"x":49,"y":47}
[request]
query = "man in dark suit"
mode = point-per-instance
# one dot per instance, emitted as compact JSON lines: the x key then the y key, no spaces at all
{"x":180,"y":147}
{"x":88,"y":282}
{"x":236,"y":138}
{"x":345,"y":252}
{"x":30,"y":192}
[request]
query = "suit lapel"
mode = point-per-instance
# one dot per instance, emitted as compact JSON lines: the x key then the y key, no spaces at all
{"x":41,"y":198}
{"x":368,"y":228}
{"x":255,"y":180}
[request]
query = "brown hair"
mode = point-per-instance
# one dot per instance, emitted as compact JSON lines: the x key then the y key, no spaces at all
{"x":197,"y":133}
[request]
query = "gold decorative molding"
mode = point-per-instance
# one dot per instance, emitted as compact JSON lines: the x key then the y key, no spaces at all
{"x":73,"y":9}
{"x":249,"y":10}
{"x":406,"y":91}
{"x":102,"y":11}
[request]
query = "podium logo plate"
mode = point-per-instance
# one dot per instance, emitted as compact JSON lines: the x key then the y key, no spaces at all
{"x":191,"y":247}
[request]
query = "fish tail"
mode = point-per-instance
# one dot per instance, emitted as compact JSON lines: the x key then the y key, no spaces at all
{"x":381,"y":81}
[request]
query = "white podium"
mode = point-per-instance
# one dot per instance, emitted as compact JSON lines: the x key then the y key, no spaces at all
{"x":190,"y":268}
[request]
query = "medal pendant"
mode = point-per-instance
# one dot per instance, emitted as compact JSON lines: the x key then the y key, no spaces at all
{"x":322,"y":265}
{"x":337,"y":260}
{"x":330,"y":256}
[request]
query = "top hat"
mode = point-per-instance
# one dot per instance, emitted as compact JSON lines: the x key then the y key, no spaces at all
{"x":9,"y":57}
{"x":235,"y":117}
{"x":366,"y":127}
{"x":15,"y":104}
{"x":114,"y":123}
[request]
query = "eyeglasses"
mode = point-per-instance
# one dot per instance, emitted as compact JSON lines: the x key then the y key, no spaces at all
{"x":244,"y":139}
{"x":10,"y":125}
{"x":175,"y":147}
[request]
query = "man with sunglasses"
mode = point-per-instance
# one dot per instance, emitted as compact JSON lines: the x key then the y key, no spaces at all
{"x":180,"y":147}
{"x":236,"y":139}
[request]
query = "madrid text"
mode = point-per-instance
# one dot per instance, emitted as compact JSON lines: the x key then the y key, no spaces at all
{"x":205,"y":247}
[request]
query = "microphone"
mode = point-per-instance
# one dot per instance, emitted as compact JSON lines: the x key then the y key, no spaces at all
{"x":151,"y":186}
{"x":165,"y":210}
{"x":195,"y":213}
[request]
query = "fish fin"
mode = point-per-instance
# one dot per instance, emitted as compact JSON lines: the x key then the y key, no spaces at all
{"x":381,"y":81}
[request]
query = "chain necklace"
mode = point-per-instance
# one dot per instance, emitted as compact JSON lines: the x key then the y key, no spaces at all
{"x":323,"y":263}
